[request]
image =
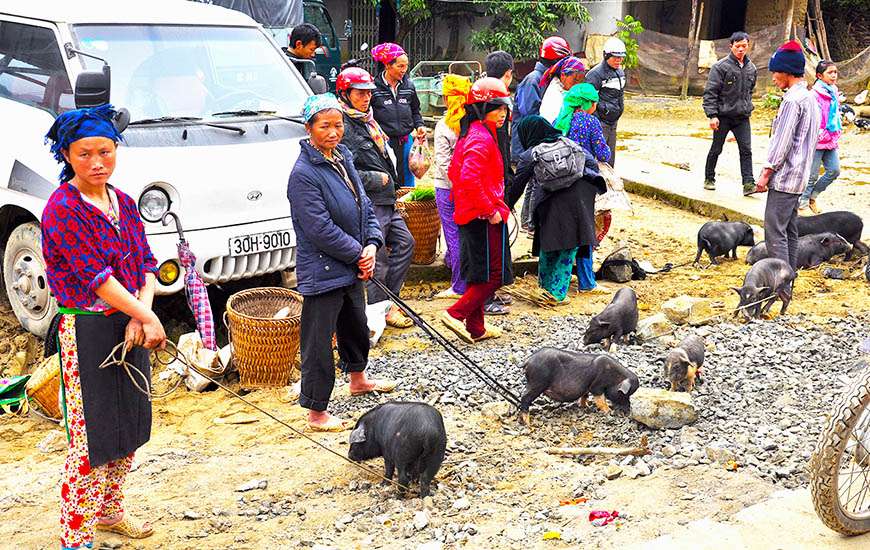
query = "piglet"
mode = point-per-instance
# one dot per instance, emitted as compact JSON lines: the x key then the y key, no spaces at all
{"x":720,"y":238}
{"x":409,"y":435}
{"x":616,"y":322}
{"x":768,"y":278}
{"x":684,"y":362}
{"x":812,"y":249}
{"x":566,"y":376}
{"x":848,"y":225}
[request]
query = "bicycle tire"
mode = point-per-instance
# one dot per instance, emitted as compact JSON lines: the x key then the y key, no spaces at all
{"x":825,"y":463}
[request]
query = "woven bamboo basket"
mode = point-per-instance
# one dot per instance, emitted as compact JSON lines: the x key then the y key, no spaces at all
{"x":265,"y":349}
{"x":423,"y":223}
{"x":44,"y":387}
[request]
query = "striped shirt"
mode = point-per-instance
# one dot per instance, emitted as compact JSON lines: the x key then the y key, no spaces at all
{"x":793,"y":141}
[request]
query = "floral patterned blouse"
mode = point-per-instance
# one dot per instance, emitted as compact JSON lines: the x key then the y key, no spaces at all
{"x":586,"y":130}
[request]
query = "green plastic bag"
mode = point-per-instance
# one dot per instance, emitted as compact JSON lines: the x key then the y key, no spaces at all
{"x":13,"y":399}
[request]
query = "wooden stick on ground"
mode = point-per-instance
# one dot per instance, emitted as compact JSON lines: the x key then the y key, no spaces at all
{"x":642,"y":450}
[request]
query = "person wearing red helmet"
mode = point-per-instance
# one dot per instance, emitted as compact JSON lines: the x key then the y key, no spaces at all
{"x":530,"y":92}
{"x":477,"y":175}
{"x":376,"y":164}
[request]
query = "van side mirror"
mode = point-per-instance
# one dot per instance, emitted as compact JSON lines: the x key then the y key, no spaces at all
{"x":93,"y":88}
{"x":317,"y":83}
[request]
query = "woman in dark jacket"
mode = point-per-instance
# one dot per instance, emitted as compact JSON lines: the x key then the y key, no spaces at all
{"x":396,"y":106}
{"x":564,"y":220}
{"x":337,"y":239}
{"x":375,"y":162}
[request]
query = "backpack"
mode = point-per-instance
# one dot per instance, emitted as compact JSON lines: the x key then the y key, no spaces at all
{"x":558,"y":164}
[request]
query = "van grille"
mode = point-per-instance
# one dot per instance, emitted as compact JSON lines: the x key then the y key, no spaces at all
{"x":233,"y":268}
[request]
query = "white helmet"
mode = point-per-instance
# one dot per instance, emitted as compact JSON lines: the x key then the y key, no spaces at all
{"x":614,"y":47}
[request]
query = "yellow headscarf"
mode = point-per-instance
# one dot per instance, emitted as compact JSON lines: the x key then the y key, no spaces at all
{"x":455,"y":89}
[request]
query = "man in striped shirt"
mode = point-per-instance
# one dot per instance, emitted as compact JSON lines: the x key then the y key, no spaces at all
{"x":790,"y":155}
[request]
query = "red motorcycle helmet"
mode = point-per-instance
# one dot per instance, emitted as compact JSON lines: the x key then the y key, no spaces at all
{"x":555,"y":48}
{"x":356,"y":78}
{"x":489,"y":90}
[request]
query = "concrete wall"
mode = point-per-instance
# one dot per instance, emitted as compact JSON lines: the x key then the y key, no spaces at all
{"x":764,"y":13}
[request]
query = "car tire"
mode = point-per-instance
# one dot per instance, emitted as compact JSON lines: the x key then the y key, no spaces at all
{"x":26,"y":281}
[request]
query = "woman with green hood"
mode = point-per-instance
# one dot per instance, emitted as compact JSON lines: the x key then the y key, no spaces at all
{"x":577,"y":121}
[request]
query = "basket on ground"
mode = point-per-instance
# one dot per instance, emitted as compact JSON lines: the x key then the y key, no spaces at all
{"x":265,"y":349}
{"x":44,"y":387}
{"x":423,"y":223}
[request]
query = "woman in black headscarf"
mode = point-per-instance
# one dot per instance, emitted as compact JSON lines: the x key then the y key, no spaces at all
{"x":563,"y":220}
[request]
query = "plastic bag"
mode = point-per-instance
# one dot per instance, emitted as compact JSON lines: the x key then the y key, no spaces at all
{"x":420,"y":158}
{"x":615,"y":198}
{"x":376,"y":319}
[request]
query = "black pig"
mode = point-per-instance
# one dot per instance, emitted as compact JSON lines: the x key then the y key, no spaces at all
{"x":409,"y":435}
{"x":768,"y":278}
{"x":616,"y":322}
{"x":720,"y":238}
{"x":566,"y":376}
{"x":684,"y":362}
{"x":812,"y":249}
{"x":843,"y":223}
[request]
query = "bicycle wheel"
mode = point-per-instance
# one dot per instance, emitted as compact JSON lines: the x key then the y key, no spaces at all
{"x":840,"y":465}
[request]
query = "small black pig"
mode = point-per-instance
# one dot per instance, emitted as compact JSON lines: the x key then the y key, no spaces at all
{"x":812,"y":249}
{"x":409,"y":435}
{"x":843,"y":223}
{"x":768,"y":278}
{"x":566,"y":376}
{"x":720,"y":238}
{"x":684,"y":362}
{"x":616,"y":322}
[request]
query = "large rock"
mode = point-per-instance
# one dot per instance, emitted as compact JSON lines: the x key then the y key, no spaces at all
{"x":661,"y":409}
{"x":654,"y":327}
{"x":684,"y":310}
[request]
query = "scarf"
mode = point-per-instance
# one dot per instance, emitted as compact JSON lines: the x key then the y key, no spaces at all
{"x":835,"y":123}
{"x":375,"y":131}
{"x":535,"y":130}
{"x":565,"y":66}
{"x":77,"y":124}
{"x":387,"y":52}
{"x":455,"y":90}
{"x":581,"y":97}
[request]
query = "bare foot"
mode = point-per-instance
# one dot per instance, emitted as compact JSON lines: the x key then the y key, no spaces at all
{"x":360,"y":383}
{"x":322,"y":420}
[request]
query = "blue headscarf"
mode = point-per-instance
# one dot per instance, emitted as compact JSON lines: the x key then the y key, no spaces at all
{"x":316,"y":103}
{"x":72,"y":126}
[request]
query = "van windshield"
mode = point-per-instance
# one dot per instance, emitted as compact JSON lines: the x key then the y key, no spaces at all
{"x":176,"y":71}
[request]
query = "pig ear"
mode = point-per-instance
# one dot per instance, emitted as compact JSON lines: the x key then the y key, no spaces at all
{"x":624,"y":387}
{"x":737,"y":290}
{"x":358,"y":435}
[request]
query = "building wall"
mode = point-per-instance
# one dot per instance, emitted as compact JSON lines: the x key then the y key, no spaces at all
{"x":764,"y":13}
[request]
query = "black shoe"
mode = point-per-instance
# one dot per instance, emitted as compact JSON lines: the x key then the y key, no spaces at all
{"x":710,"y":185}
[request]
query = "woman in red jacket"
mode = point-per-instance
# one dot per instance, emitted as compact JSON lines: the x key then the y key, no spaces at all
{"x":477,"y":174}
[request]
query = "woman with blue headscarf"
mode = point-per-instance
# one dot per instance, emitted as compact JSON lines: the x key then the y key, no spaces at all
{"x":101,"y":271}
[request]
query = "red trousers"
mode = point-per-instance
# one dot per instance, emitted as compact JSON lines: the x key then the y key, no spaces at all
{"x":469,"y":307}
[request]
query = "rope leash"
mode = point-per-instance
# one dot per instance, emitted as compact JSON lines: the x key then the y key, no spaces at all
{"x":176,"y":355}
{"x":448,"y":346}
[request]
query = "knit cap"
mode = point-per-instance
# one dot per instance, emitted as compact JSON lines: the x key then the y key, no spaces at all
{"x":789,"y":58}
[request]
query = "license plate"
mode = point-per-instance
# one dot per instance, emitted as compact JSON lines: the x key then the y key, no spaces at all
{"x":260,"y":242}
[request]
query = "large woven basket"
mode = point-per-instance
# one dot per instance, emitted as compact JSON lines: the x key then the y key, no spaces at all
{"x":265,"y":349}
{"x":44,"y":387}
{"x":423,"y":223}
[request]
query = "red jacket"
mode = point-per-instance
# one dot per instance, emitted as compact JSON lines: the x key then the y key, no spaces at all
{"x":477,"y":174}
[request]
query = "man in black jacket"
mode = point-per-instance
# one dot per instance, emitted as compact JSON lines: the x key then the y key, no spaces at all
{"x":728,"y":105}
{"x":609,"y":79}
{"x":304,"y":41}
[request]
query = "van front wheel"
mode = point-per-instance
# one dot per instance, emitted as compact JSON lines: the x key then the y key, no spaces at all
{"x":26,"y":281}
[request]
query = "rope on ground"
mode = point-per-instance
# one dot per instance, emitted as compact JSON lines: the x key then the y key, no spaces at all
{"x":448,"y":346}
{"x":176,"y":355}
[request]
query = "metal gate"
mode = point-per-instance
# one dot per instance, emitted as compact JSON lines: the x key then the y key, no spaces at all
{"x":420,"y":43}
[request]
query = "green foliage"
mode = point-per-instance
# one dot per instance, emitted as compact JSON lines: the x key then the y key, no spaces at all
{"x":626,"y":30}
{"x":422,"y":194}
{"x":520,"y":27}
{"x":771,"y":100}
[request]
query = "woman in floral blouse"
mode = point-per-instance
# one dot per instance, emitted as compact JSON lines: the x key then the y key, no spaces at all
{"x":577,"y":121}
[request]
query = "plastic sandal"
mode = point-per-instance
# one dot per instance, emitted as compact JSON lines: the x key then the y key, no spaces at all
{"x":397,"y":319}
{"x":495,"y":308}
{"x":128,"y":528}
{"x":456,"y":326}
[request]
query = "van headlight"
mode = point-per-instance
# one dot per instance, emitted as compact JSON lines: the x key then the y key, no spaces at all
{"x":153,"y":203}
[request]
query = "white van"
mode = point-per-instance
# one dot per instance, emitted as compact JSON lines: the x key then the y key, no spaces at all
{"x":214,"y":132}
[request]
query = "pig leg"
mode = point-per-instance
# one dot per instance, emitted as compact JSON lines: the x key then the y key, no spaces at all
{"x":690,"y":376}
{"x":862,"y":248}
{"x":404,"y":478}
{"x":428,"y":474}
{"x":533,"y":391}
{"x":784,"y":294}
{"x":601,"y":403}
{"x":697,"y":261}
{"x":674,"y":385}
{"x":583,"y":403}
{"x":389,"y":468}
{"x":768,"y":305}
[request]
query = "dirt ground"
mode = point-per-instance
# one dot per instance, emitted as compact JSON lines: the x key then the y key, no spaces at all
{"x":204,"y":446}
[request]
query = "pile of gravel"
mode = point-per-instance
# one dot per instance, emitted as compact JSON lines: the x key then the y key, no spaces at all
{"x":766,"y":391}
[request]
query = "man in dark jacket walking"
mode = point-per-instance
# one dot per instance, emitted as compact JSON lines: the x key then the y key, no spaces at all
{"x":608,"y":79}
{"x":728,"y":105}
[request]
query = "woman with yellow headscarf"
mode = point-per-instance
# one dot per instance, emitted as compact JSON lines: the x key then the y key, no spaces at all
{"x":455,"y":89}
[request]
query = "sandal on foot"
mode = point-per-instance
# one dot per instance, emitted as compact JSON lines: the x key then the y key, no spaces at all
{"x":495,"y":308}
{"x":380,"y":386}
{"x":448,"y":293}
{"x":398,"y":319}
{"x":491,"y":331}
{"x":456,"y":326}
{"x":503,"y":298}
{"x":128,"y":528}
{"x":334,"y":424}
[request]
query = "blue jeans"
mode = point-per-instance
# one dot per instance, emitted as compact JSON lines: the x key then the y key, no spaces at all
{"x":831,"y":160}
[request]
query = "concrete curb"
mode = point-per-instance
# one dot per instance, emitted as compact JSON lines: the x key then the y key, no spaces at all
{"x":707,"y":209}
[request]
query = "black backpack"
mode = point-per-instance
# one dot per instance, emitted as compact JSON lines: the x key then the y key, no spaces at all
{"x":558,"y":164}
